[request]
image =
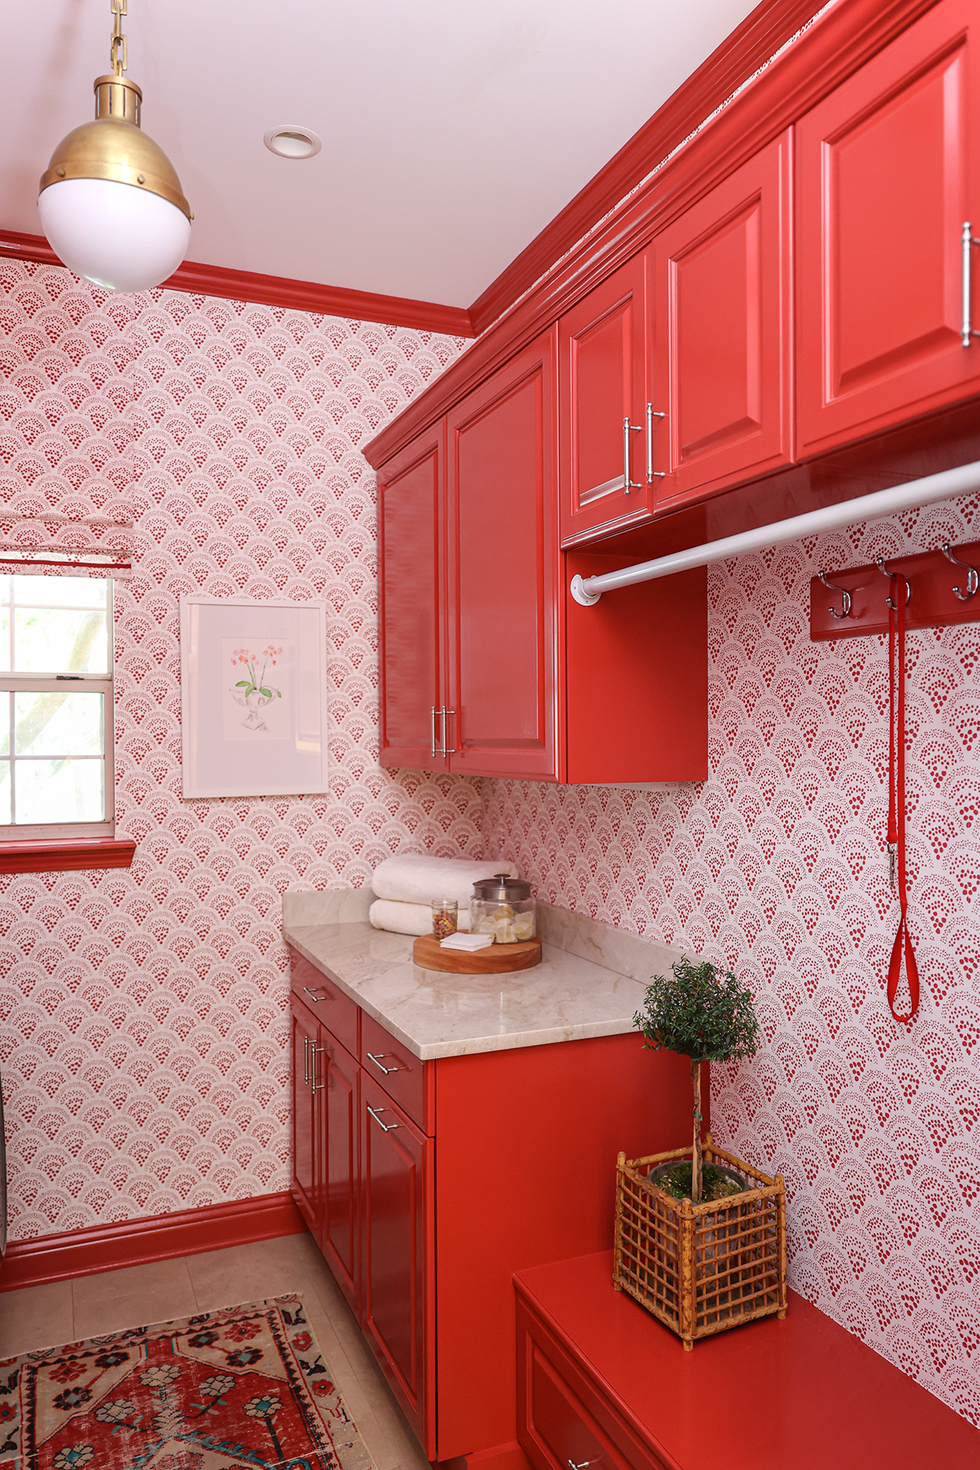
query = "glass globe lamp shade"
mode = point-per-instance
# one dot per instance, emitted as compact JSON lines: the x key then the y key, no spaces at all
{"x":118,"y":235}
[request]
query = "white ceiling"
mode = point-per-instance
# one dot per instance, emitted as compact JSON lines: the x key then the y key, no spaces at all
{"x":452,"y":131}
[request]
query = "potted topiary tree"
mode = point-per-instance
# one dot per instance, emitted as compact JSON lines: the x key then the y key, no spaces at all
{"x":700,"y":1234}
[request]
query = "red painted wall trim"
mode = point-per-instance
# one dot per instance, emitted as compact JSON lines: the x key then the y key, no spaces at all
{"x":218,"y":280}
{"x":47,"y":856}
{"x":769,"y":26}
{"x":134,"y":1242}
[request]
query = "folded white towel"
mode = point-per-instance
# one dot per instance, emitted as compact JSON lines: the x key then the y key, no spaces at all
{"x":469,"y":942}
{"x":416,"y":879}
{"x":407,"y":918}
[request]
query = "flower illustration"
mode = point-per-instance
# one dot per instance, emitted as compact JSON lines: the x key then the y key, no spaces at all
{"x":214,"y":1387}
{"x":112,"y":1359}
{"x":160,"y":1375}
{"x":70,"y":1398}
{"x":73,"y":1457}
{"x":255,"y":690}
{"x":116,"y":1411}
{"x":65,"y":1372}
{"x":302,"y":1341}
{"x":244,"y":1358}
{"x":322,"y":1386}
{"x":242,"y":1331}
{"x":202,"y":1339}
{"x":264,"y":1407}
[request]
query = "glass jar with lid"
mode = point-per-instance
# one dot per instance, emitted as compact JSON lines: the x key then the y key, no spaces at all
{"x":503,"y":907}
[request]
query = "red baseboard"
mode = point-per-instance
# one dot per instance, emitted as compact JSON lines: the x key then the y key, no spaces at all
{"x":134,"y":1242}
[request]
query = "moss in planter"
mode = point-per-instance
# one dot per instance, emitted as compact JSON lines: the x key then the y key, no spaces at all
{"x":715,"y":1184}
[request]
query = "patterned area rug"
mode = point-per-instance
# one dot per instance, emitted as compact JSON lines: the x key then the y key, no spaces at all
{"x":238,"y":1389}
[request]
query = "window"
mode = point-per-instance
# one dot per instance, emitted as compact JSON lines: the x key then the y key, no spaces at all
{"x":55,"y":707}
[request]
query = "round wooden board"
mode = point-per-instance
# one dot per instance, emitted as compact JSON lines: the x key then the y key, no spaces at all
{"x":494,"y":960}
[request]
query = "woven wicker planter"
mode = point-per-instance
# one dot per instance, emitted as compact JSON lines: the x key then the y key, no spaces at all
{"x":701,"y":1268}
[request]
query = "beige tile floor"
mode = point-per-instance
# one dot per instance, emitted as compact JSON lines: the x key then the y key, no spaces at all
{"x":135,"y":1296}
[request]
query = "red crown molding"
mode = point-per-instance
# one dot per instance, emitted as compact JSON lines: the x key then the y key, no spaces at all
{"x":160,"y":1238}
{"x":219,"y":280}
{"x":769,"y":26}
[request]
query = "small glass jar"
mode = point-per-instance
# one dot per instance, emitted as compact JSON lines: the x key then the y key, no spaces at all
{"x":445,"y":917}
{"x":503,"y":906}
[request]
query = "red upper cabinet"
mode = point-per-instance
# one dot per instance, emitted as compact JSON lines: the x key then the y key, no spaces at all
{"x":410,"y":494}
{"x":888,"y":173}
{"x":721,"y":332}
{"x":503,"y":567}
{"x":602,"y":376}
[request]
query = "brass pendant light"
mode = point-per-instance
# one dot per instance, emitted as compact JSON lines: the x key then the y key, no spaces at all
{"x":110,"y":200}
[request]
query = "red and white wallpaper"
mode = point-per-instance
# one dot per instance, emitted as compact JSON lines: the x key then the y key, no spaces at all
{"x":143,"y":1013}
{"x":776,"y":867}
{"x":143,"y":1036}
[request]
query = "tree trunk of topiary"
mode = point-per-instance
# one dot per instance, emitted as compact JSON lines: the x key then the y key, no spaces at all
{"x":696,"y":1162}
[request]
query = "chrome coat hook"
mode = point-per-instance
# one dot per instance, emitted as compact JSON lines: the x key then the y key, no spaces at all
{"x":972,"y":575}
{"x":893,"y":576}
{"x":845,"y":597}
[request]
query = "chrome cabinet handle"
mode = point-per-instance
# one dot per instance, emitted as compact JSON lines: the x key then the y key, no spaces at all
{"x":629,"y":428}
{"x":317,"y":1051}
{"x":967,"y":331}
{"x":387,"y":1127}
{"x":377,"y":1062}
{"x":652,"y":474}
{"x":313,"y":994}
{"x":434,"y":750}
{"x":582,"y":1464}
{"x":306,"y":1060}
{"x":451,"y":749}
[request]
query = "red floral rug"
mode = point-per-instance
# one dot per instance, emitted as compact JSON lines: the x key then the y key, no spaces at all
{"x":243,"y":1388}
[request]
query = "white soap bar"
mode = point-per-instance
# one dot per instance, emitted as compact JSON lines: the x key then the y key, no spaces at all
{"x":466,"y":941}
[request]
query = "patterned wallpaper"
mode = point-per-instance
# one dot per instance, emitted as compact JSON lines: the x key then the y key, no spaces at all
{"x":143,"y":1025}
{"x":776,"y":866}
{"x":142,"y":1013}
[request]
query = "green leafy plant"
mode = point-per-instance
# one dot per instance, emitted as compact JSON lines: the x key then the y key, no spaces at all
{"x":703,"y":1013}
{"x":256,"y":681}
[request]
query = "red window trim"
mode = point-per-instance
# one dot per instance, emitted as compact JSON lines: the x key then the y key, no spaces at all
{"x":53,"y":856}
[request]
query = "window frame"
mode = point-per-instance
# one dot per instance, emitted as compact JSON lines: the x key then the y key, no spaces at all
{"x":66,"y":683}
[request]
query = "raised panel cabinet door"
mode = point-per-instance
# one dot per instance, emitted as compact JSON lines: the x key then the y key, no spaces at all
{"x":396,"y":1274}
{"x":305,"y":1110}
{"x":721,"y":332}
{"x":337,"y":1075}
{"x":602,"y":382}
{"x":503,"y":569}
{"x":559,"y":1431}
{"x":888,"y":174}
{"x":410,"y":492}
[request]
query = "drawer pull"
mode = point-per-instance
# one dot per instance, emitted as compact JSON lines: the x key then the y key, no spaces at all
{"x":582,"y":1464}
{"x":387,"y":1127}
{"x":313,"y":993}
{"x":376,"y":1059}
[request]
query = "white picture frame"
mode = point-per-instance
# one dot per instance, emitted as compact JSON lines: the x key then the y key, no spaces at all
{"x":253,"y":693}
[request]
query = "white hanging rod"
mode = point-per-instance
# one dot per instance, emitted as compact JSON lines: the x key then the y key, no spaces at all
{"x":944,"y":486}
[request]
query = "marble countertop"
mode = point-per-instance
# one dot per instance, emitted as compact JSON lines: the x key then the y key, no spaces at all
{"x":566,"y":998}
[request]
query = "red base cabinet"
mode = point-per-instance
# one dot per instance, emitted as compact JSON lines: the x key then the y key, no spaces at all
{"x":603,"y":1383}
{"x":468,"y":1169}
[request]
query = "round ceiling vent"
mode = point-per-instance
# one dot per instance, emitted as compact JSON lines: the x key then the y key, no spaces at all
{"x":292,"y":142}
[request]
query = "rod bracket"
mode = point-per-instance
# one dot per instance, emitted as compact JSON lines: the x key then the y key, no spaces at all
{"x":582,"y":595}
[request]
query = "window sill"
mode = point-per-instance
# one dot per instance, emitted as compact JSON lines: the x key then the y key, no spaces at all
{"x":60,"y":856}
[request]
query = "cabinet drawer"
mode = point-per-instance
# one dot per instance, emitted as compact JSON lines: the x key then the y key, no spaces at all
{"x":563,"y":1420}
{"x":403,"y":1076}
{"x":335,"y":1010}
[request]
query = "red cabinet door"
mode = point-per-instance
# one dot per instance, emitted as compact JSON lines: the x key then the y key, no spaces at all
{"x":721,"y":332}
{"x":503,"y":568}
{"x":337,"y":1082}
{"x":888,"y":173}
{"x":410,"y":493}
{"x":602,"y":381}
{"x":396,"y":1187}
{"x":305,"y":1113}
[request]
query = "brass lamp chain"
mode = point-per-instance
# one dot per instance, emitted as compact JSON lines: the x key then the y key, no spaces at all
{"x":118,"y":51}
